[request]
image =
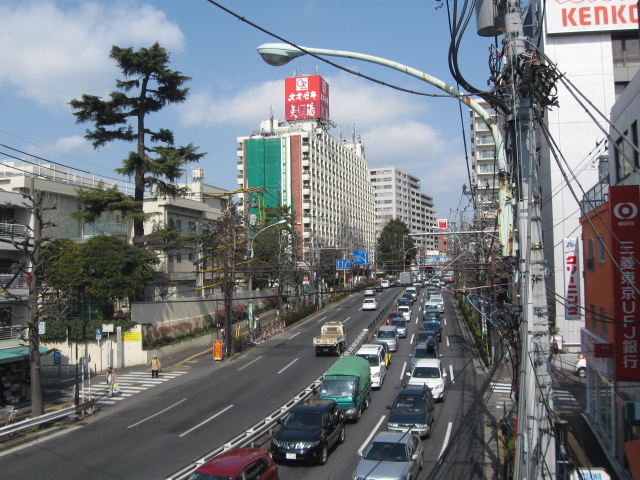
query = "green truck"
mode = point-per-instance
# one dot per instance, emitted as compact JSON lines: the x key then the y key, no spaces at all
{"x":348,"y":382}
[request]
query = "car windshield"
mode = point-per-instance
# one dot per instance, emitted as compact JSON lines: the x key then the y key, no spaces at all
{"x":370,"y":300}
{"x":422,"y":336}
{"x":209,"y":476}
{"x":393,"y":315}
{"x":373,"y":360}
{"x":386,"y":334}
{"x":424,"y":353}
{"x":430,"y":326}
{"x":386,"y":451}
{"x":303,"y":421}
{"x":426,"y":372}
{"x":337,"y":388}
{"x":410,"y":403}
{"x":399,"y":323}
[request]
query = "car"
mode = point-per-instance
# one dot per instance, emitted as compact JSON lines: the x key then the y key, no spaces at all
{"x":431,"y":290}
{"x":392,"y":315}
{"x":435,"y":282}
{"x":432,"y":314}
{"x":385,"y":347}
{"x":376,"y":356}
{"x":413,"y":291}
{"x":238,"y":464}
{"x":433,"y":327}
{"x":426,"y":349}
{"x":369,"y":292}
{"x":384,"y":283}
{"x":429,"y":372}
{"x":412,"y":410}
{"x":407,"y":296}
{"x":388,"y":334}
{"x":390,"y":456}
{"x":406,"y":311}
{"x":378,"y":287}
{"x":448,"y":278}
{"x":429,"y":305}
{"x":370,"y":304}
{"x":401,"y":325}
{"x":403,"y":302}
{"x":308,"y":432}
{"x":581,"y":366}
{"x":438,"y":301}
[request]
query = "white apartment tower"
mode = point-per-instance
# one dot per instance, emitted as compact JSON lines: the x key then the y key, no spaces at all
{"x":398,"y":196}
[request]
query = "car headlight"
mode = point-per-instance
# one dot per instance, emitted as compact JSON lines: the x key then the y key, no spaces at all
{"x":350,"y":411}
{"x":303,"y":445}
{"x":356,"y":477}
{"x":438,"y":387}
{"x":376,"y":375}
{"x":420,"y":425}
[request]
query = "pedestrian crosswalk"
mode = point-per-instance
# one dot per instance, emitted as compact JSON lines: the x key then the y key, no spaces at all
{"x":499,"y":387}
{"x":564,"y":401}
{"x":128,"y":384}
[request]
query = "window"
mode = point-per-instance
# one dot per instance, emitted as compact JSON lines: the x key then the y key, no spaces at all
{"x":601,"y":248}
{"x":590,"y":255}
{"x":623,"y":158}
{"x":604,"y":323}
{"x":626,"y":51}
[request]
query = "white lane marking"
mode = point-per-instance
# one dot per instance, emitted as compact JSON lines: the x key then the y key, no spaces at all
{"x":417,"y":319}
{"x":373,"y":432}
{"x":412,"y":335}
{"x":156,"y":414}
{"x":447,"y":337}
{"x":254,"y":360}
{"x":294,"y":335}
{"x":206,"y":421}
{"x":404,"y":366}
{"x":322,"y":318}
{"x":451,"y":370}
{"x":446,"y":439}
{"x":287,"y":366}
{"x":445,"y":322}
{"x":345,"y":321}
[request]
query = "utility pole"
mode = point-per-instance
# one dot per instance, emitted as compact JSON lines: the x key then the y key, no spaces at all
{"x":535,"y":444}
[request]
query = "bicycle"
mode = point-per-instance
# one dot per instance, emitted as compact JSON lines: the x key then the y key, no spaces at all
{"x":10,"y":417}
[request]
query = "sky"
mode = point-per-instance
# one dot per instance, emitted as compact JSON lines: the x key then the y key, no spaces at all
{"x":54,"y":51}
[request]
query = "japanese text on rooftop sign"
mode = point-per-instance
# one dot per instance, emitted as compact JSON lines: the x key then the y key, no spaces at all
{"x":625,"y":229}
{"x":306,"y":98}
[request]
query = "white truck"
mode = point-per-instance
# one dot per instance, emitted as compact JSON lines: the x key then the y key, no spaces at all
{"x":332,"y":338}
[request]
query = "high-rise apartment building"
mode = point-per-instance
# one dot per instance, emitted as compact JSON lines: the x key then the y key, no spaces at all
{"x":398,"y":196}
{"x":324,"y":180}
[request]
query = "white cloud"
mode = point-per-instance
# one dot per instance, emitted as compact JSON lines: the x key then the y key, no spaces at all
{"x":51,"y":55}
{"x":71,"y":145}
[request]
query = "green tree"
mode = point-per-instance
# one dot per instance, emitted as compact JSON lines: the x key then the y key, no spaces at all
{"x":149,"y":86}
{"x":395,"y":246}
{"x":105,"y":267}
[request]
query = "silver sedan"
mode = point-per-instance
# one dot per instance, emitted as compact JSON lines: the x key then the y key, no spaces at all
{"x":391,"y":456}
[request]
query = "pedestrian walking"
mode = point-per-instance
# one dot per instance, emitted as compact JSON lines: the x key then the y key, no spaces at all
{"x":156,"y":366}
{"x":111,"y":380}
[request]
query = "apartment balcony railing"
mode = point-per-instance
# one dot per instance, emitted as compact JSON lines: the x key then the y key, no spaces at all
{"x":596,"y":196}
{"x":12,"y":230}
{"x":10,"y":333}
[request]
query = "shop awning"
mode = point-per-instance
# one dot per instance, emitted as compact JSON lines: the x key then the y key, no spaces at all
{"x":15,"y":354}
{"x":632,"y":451}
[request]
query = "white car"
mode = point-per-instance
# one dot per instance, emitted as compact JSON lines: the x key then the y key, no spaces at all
{"x":369,"y":292}
{"x":429,"y":372}
{"x":581,"y":366}
{"x":406,"y":311}
{"x":438,"y":301}
{"x":370,"y":304}
{"x":375,"y":355}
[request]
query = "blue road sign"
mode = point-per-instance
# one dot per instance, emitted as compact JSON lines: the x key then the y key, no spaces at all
{"x":361,"y":257}
{"x":343,"y":264}
{"x":56,"y":358}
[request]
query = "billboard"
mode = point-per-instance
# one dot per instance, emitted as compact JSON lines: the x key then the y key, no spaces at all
{"x":571,"y":279}
{"x":306,"y":98}
{"x":624,"y":204}
{"x":443,"y":223}
{"x":570,"y":16}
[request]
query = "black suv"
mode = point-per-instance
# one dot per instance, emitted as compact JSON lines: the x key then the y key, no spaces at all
{"x":413,"y":409}
{"x":308,"y":432}
{"x":432,"y":328}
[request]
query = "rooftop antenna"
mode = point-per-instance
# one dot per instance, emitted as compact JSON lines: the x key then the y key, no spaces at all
{"x":271,"y":117}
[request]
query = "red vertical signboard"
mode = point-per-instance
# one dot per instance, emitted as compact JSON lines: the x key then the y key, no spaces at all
{"x":306,"y":98}
{"x":217,"y":350}
{"x":624,"y":203}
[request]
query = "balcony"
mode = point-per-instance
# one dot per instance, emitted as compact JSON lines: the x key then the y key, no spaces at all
{"x":12,"y":230}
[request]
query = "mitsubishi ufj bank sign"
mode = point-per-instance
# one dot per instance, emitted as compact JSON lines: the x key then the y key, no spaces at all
{"x":571,"y":16}
{"x":306,"y":98}
{"x":624,"y":202}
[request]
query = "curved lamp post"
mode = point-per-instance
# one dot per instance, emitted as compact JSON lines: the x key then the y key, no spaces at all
{"x":278,"y":54}
{"x":279,"y":222}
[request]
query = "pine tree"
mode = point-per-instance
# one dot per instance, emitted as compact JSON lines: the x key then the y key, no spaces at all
{"x":149,"y":86}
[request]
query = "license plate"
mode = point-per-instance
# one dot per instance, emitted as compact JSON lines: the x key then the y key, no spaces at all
{"x":291,"y":456}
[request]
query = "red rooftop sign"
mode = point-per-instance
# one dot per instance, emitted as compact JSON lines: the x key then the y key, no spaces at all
{"x":306,"y":98}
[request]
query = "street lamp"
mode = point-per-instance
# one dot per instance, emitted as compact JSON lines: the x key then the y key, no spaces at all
{"x":278,"y":54}
{"x":404,"y":258}
{"x":279,"y":222}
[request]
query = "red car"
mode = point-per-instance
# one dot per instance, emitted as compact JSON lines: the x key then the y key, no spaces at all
{"x":392,"y":315}
{"x":239,"y":464}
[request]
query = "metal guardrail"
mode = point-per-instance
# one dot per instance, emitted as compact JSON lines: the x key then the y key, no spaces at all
{"x":266,"y":426}
{"x":32,"y":422}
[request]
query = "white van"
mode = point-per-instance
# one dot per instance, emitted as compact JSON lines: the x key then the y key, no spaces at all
{"x":384,"y":283}
{"x":413,"y":291}
{"x":375,"y":355}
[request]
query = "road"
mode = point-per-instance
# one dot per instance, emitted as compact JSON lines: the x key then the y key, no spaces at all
{"x":156,"y":432}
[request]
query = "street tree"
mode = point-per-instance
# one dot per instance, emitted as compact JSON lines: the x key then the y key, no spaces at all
{"x":395,"y":246}
{"x":156,"y":163}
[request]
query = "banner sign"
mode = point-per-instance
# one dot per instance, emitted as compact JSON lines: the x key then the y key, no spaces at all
{"x":570,"y":16}
{"x":217,"y":350}
{"x":624,"y":204}
{"x":571,"y":279}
